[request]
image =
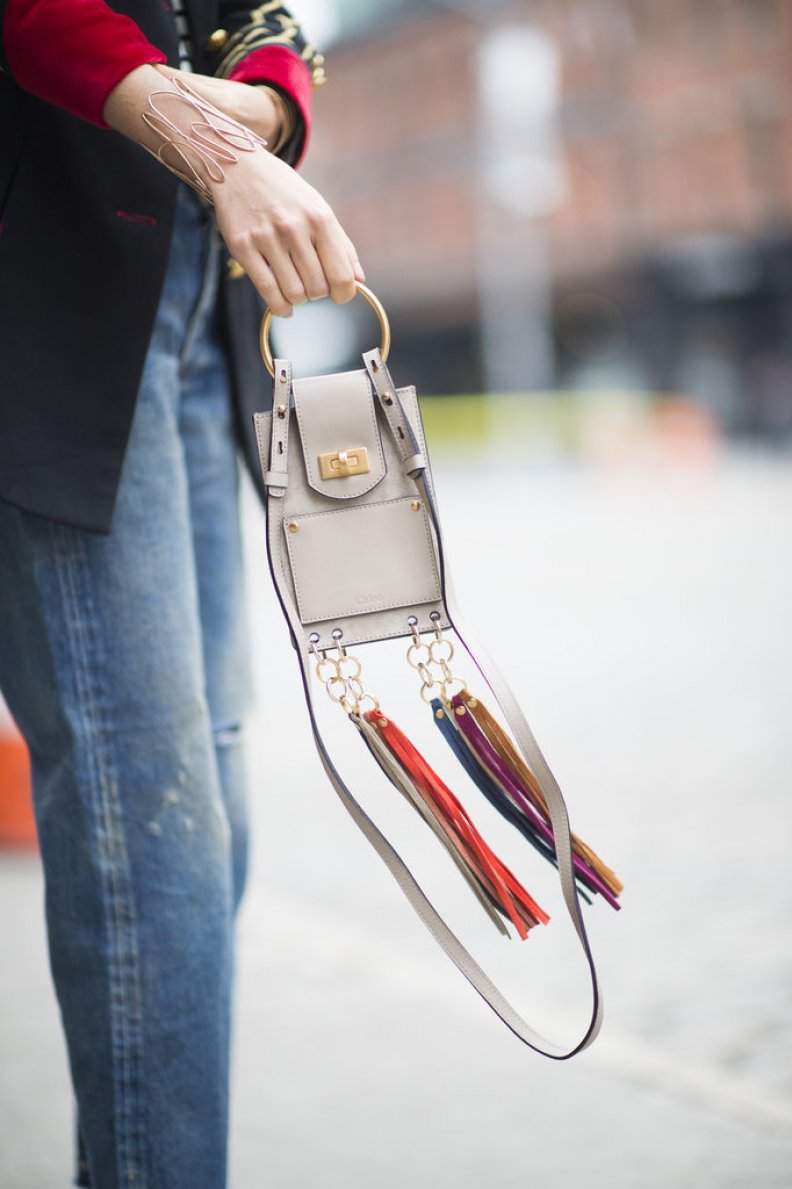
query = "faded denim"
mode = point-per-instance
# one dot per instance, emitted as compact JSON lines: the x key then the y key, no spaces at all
{"x":123,"y":660}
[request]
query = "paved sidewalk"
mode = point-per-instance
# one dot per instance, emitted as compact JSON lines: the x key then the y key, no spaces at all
{"x":654,"y":660}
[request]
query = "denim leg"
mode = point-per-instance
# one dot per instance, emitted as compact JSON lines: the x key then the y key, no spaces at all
{"x":207,"y":433}
{"x":104,"y":663}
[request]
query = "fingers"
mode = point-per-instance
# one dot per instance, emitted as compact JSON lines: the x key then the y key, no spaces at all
{"x":354,"y":260}
{"x":338,"y":258}
{"x":284,"y":235}
{"x":308,"y":269}
{"x":290,"y":269}
{"x":314,"y":258}
{"x":263,"y":278}
{"x":294,"y":286}
{"x":263,"y":255}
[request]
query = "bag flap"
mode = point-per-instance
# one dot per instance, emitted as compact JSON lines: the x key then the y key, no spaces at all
{"x":340,"y":436}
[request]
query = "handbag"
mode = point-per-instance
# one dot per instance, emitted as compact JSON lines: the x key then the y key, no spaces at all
{"x":356,"y":553}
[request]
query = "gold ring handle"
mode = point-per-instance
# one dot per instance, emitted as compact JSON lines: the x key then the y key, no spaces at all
{"x":363,"y":291}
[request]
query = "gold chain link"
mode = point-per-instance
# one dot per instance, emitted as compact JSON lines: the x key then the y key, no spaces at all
{"x":432,"y":663}
{"x":343,"y":687}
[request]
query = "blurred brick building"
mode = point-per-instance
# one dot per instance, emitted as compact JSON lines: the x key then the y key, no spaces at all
{"x":670,"y":252}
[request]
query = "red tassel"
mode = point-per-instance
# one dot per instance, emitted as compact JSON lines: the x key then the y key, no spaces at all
{"x":521,"y":908}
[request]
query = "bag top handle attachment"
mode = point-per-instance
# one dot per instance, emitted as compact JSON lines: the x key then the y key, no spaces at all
{"x":363,"y":291}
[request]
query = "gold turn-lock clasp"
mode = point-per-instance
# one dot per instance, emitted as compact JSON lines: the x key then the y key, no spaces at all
{"x":341,"y":463}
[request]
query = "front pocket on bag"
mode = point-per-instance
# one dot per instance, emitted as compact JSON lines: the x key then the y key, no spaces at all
{"x":356,"y":560}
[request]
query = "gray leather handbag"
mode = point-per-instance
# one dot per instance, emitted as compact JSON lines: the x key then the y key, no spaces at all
{"x":345,"y":469}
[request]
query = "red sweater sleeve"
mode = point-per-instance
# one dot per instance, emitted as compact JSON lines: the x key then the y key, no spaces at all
{"x":282,"y":68}
{"x":73,"y":52}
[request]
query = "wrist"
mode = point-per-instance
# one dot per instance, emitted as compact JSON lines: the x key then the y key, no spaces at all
{"x":286,"y":117}
{"x":192,"y":137}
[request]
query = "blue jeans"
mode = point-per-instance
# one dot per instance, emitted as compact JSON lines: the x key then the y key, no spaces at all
{"x":123,"y":661}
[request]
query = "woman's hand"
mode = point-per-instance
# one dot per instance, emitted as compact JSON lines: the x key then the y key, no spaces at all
{"x":284,"y":234}
{"x":276,"y":226}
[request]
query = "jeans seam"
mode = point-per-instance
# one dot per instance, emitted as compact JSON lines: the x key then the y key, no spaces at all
{"x":125,"y":999}
{"x":206,"y":298}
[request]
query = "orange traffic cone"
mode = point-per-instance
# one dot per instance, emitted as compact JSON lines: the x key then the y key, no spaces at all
{"x":17,"y":825}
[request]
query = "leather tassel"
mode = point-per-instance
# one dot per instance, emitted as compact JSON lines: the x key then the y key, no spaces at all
{"x":492,"y":790}
{"x":506,"y":749}
{"x":494,"y":875}
{"x":498,"y":758}
{"x":401,"y":781}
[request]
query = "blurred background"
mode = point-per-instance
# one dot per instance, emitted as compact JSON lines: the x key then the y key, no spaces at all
{"x":579,"y":218}
{"x":582,"y":197}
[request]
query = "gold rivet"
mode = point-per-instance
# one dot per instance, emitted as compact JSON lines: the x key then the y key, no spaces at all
{"x":294,"y":526}
{"x":460,"y":710}
{"x":318,"y":76}
{"x":439,"y":713}
{"x":215,"y":41}
{"x":472,"y":703}
{"x":416,"y":505}
{"x":281,"y":411}
{"x":383,"y":722}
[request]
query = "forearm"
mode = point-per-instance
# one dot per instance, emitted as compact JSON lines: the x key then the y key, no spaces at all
{"x":123,"y":110}
{"x":258,"y":107}
{"x":196,"y":126}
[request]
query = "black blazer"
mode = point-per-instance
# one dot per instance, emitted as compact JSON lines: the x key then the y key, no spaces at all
{"x":79,"y":288}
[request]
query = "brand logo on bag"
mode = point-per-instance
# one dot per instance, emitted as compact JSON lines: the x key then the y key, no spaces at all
{"x":364,"y":600}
